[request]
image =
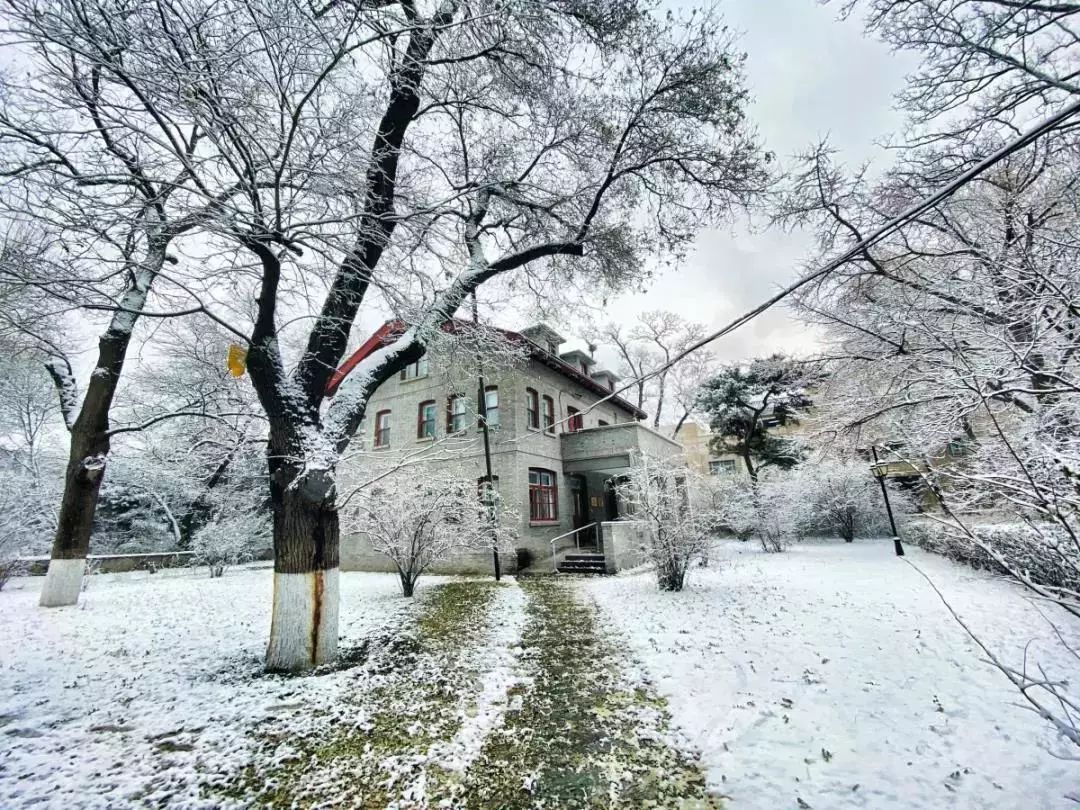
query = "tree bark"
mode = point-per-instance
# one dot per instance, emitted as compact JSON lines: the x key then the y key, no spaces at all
{"x":71,"y":543}
{"x":304,"y":627}
{"x":90,"y":437}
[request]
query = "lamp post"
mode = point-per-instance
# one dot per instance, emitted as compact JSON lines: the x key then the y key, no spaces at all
{"x":879,"y":473}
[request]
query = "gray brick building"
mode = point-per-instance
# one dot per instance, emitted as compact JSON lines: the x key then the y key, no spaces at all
{"x":559,"y":439}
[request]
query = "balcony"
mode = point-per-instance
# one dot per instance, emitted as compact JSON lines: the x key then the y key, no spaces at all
{"x":610,"y":448}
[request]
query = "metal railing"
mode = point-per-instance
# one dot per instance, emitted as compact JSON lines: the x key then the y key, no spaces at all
{"x":576,"y":534}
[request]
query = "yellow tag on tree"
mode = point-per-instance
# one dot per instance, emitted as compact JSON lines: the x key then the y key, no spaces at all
{"x":237,"y":361}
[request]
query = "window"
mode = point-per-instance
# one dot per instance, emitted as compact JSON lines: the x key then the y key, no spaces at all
{"x":958,"y":448}
{"x":724,"y":466}
{"x":488,"y":493}
{"x":415,"y":370}
{"x":549,"y":415}
{"x":543,"y":495}
{"x":455,"y":413}
{"x":573,"y":420}
{"x":491,"y":405}
{"x":382,"y":429}
{"x":532,"y":408}
{"x":425,"y":420}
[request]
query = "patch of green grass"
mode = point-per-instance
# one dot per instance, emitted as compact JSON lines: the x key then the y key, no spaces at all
{"x":419,"y":677}
{"x":583,"y":738}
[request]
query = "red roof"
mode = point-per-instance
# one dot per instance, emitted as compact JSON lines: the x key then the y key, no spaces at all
{"x":392,"y":330}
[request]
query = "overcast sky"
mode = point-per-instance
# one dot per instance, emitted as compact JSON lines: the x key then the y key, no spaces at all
{"x":811,"y":75}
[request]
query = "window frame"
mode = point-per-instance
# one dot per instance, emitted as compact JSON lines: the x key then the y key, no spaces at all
{"x":547,"y":414}
{"x":379,"y":440}
{"x":422,"y":422}
{"x":543,"y":497}
{"x":485,"y":416}
{"x":415,"y":369}
{"x":722,"y":467}
{"x":532,"y":409}
{"x":574,"y":420}
{"x":452,"y":425}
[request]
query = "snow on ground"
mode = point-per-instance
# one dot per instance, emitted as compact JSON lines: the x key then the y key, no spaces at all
{"x":497,"y":657}
{"x":151,"y":682}
{"x":833,"y":674}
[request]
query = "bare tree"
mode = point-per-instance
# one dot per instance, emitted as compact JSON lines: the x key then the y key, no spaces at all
{"x":646,"y":352}
{"x":660,"y":491}
{"x":418,"y":520}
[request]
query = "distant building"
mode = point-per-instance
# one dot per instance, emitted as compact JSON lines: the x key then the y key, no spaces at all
{"x":560,"y":440}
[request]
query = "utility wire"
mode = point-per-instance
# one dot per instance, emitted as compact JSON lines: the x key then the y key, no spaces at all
{"x":894,"y":224}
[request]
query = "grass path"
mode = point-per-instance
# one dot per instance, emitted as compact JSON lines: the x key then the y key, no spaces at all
{"x":497,"y":696}
{"x":586,"y":732}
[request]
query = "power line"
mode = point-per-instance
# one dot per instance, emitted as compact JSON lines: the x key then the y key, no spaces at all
{"x":894,"y":224}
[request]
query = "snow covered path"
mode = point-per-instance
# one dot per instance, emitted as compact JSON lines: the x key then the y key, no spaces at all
{"x":832,"y":674}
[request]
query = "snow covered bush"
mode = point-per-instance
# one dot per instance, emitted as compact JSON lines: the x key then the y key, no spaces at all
{"x":779,"y":509}
{"x":658,"y":492}
{"x":232,"y":539}
{"x":840,"y":499}
{"x":419,"y":519}
{"x":730,"y":500}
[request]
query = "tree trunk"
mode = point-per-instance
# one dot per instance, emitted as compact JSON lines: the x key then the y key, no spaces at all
{"x":304,"y":627}
{"x":71,"y":543}
{"x":90,"y":435}
{"x":408,"y":584}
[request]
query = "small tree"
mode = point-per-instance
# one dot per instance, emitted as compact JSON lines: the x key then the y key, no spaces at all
{"x":419,"y":519}
{"x":658,"y":492}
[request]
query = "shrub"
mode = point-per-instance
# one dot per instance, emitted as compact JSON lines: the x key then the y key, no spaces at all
{"x":525,"y":558}
{"x":1040,"y":552}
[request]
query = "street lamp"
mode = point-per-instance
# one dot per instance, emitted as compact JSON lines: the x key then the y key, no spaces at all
{"x":880,"y":471}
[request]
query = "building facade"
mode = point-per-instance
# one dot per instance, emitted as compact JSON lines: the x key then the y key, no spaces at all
{"x":558,"y":442}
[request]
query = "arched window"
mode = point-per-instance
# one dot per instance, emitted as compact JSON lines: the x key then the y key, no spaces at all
{"x":425,"y":420}
{"x":532,"y":408}
{"x":543,"y":495}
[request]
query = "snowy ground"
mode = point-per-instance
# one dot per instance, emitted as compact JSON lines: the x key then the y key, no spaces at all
{"x":827,"y":677}
{"x":151,"y":683}
{"x":832,"y":674}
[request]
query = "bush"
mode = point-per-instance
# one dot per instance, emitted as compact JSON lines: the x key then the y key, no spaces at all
{"x":10,"y":567}
{"x":231,"y":540}
{"x":525,"y":558}
{"x":1042,"y":554}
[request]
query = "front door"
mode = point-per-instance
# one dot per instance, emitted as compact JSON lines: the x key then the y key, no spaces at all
{"x":580,"y":497}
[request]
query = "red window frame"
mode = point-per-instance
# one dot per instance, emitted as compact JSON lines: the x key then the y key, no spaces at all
{"x":574,"y":421}
{"x":532,"y":407}
{"x":549,"y":414}
{"x":543,"y":495}
{"x":425,"y":427}
{"x":382,"y":429}
{"x":455,"y":420}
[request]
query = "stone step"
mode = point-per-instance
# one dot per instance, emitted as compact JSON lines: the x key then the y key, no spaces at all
{"x":582,"y":567}
{"x":584,"y":557}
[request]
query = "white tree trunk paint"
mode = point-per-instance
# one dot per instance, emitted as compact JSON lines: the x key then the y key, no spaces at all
{"x":63,"y":581}
{"x":304,"y":627}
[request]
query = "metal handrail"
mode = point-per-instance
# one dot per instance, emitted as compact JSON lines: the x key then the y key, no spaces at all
{"x":577,"y":541}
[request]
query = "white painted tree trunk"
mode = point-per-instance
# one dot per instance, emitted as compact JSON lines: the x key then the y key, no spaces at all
{"x":63,"y":582}
{"x":304,"y":627}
